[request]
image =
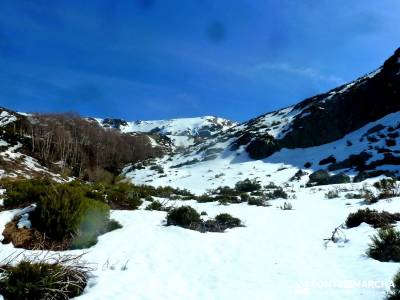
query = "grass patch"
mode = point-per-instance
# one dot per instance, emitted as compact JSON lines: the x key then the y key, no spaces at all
{"x":37,"y":280}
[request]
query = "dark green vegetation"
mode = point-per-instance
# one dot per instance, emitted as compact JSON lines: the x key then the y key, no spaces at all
{"x":385,"y":246}
{"x":120,"y":195}
{"x":394,"y":293}
{"x":388,"y":188}
{"x":66,"y":211}
{"x":184,"y":216}
{"x":20,"y":193}
{"x":43,"y":281}
{"x":187,"y":217}
{"x":248,"y":190}
{"x":372,"y":217}
{"x":72,"y":215}
{"x":247,"y":185}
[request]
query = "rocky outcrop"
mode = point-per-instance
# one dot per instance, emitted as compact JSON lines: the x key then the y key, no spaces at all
{"x":330,"y":116}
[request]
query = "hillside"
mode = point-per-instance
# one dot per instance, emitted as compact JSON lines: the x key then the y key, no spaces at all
{"x":181,"y":132}
{"x":352,"y":129}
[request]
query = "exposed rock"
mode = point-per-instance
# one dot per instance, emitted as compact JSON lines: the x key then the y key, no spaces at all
{"x":322,"y":177}
{"x":297,"y":176}
{"x":319,"y":176}
{"x":260,"y":148}
{"x":114,"y":123}
{"x":374,"y":129}
{"x":307,"y":165}
{"x":390,"y":142}
{"x":328,"y":117}
{"x":353,"y":161}
{"x":329,"y":160}
{"x":363,"y":175}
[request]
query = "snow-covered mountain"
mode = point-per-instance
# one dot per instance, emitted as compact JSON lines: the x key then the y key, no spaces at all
{"x":354,"y":129}
{"x":182,"y":132}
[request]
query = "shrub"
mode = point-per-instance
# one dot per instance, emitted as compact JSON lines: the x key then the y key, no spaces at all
{"x":256,"y":201}
{"x":184,"y":216}
{"x":394,"y":293}
{"x":277,"y":193}
{"x":287,"y":206}
{"x":113,"y":225}
{"x":188,"y":217}
{"x":369,"y":196}
{"x":247,"y":185}
{"x":225,"y":200}
{"x":65,"y":211}
{"x":123,"y":195}
{"x":155,"y":205}
{"x":332,"y":194}
{"x":41,"y":280}
{"x":205,"y":198}
{"x":157,"y":168}
{"x":271,"y":186}
{"x":385,"y":245}
{"x":371,"y":217}
{"x":227,"y":221}
{"x":388,"y":188}
{"x":23,"y":192}
{"x":226,"y":191}
{"x":354,"y":196}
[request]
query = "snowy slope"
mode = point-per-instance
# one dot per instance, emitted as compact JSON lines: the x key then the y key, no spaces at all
{"x":279,"y":255}
{"x":200,"y":170}
{"x":183,"y":132}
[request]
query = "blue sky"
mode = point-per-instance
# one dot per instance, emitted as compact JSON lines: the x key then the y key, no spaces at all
{"x":155,"y":59}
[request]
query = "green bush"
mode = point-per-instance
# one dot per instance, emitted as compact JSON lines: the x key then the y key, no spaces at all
{"x":332,"y":194}
{"x":23,"y":192}
{"x":65,"y":211}
{"x":385,"y":245}
{"x":188,"y":217}
{"x":256,"y":201}
{"x":205,"y":198}
{"x":277,"y":193}
{"x":247,"y":185}
{"x":124,"y":195}
{"x":225,"y":200}
{"x":394,"y":293}
{"x":226,"y":191}
{"x":371,"y":217}
{"x":184,"y":216}
{"x":388,"y":188}
{"x":227,"y":221}
{"x":155,"y":205}
{"x":385,"y":184}
{"x":39,"y":280}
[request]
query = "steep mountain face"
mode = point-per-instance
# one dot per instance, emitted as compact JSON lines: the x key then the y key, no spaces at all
{"x":326,"y":117}
{"x":181,"y":132}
